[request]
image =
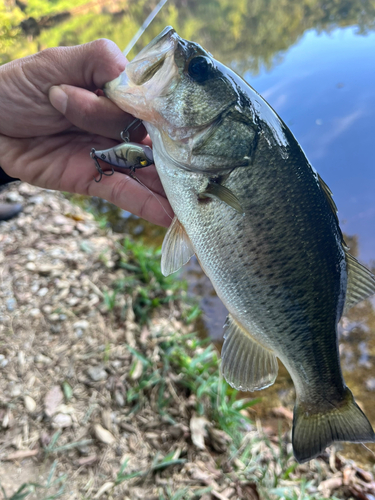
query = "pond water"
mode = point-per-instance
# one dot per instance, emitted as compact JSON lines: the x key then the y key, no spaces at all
{"x":314,"y":62}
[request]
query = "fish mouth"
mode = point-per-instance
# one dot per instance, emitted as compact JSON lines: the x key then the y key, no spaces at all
{"x":150,"y":74}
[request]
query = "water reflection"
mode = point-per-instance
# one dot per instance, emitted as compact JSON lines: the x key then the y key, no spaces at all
{"x":314,"y":61}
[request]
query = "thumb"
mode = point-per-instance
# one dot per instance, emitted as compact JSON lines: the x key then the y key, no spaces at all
{"x":95,"y":114}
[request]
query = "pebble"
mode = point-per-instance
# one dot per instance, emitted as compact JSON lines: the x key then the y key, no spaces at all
{"x":16,"y":390}
{"x":61,"y":421}
{"x":11,"y":304}
{"x":35,"y":312}
{"x":82,"y":324}
{"x":97,"y":373}
{"x":36,"y":200}
{"x":30,"y":404}
{"x":30,"y":266}
{"x":4,"y":362}
{"x":370,"y":384}
{"x":54,"y":317}
{"x":42,"y":292}
{"x":14,"y":197}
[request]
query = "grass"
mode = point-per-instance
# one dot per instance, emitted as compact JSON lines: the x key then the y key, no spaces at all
{"x":176,"y":370}
{"x":45,"y":491}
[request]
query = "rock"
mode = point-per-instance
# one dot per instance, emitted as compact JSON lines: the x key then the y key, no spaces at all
{"x":36,"y":200}
{"x":3,"y":361}
{"x":42,"y":292}
{"x":82,"y":324}
{"x":61,"y":421}
{"x":30,"y":404}
{"x":14,"y":197}
{"x":370,"y":384}
{"x":54,"y":317}
{"x":97,"y":373}
{"x":103,"y":435}
{"x":31,"y":266}
{"x":52,"y":400}
{"x":16,"y":391}
{"x":35,"y":312}
{"x":11,"y":304}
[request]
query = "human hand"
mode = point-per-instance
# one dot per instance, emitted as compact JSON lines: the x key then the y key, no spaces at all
{"x":52,"y":117}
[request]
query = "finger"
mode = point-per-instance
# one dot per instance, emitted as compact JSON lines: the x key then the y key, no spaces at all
{"x":95,"y":114}
{"x":90,"y":65}
{"x":128,"y":194}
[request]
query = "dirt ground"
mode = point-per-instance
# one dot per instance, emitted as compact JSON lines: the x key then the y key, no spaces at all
{"x":82,"y":412}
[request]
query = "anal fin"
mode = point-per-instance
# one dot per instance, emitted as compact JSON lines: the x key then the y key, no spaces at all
{"x":177,"y":248}
{"x":246,"y":365}
{"x":361,"y":282}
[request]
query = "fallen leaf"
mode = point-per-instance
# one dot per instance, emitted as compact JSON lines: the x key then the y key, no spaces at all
{"x":106,"y":487}
{"x":103,"y":435}
{"x":198,"y":429}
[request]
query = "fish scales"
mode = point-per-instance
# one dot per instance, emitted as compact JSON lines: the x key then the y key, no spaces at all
{"x":263,"y":226}
{"x":265,"y":244}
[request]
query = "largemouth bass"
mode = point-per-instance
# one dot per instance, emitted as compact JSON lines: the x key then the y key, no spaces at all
{"x":263,"y":226}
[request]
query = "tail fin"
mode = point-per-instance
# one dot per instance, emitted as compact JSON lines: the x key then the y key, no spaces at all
{"x":314,"y":431}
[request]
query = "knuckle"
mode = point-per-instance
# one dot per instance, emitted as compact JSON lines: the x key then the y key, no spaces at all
{"x":118,"y":189}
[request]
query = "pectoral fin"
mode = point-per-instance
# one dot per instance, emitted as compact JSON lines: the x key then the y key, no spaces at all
{"x":223,"y":194}
{"x":177,"y":248}
{"x":246,"y":365}
{"x":361,"y":283}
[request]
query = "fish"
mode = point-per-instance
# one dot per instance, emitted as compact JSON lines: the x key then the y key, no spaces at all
{"x":263,"y":226}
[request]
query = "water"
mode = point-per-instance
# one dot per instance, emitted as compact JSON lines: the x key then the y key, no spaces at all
{"x":314,"y":62}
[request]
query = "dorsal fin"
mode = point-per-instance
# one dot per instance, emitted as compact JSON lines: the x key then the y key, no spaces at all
{"x":246,"y":365}
{"x":177,"y":248}
{"x":329,"y":197}
{"x":361,"y":282}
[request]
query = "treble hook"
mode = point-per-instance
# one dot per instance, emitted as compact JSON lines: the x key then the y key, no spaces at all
{"x":98,"y":167}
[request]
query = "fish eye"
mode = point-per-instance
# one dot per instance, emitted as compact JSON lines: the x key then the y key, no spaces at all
{"x":199,"y":68}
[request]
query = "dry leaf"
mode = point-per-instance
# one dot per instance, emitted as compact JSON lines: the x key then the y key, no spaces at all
{"x":106,"y":487}
{"x":103,"y":435}
{"x":198,"y":431}
{"x":137,"y":371}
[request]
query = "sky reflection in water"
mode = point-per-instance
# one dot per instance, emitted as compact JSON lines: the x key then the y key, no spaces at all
{"x":324,"y":90}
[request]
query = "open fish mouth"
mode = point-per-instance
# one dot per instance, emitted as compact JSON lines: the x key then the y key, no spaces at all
{"x":152,"y":73}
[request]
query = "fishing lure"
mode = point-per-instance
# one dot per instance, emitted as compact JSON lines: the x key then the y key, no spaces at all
{"x":125,"y":156}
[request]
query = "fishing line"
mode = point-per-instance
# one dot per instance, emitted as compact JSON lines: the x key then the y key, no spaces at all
{"x":144,"y":26}
{"x":153,"y":194}
{"x":368,"y":449}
